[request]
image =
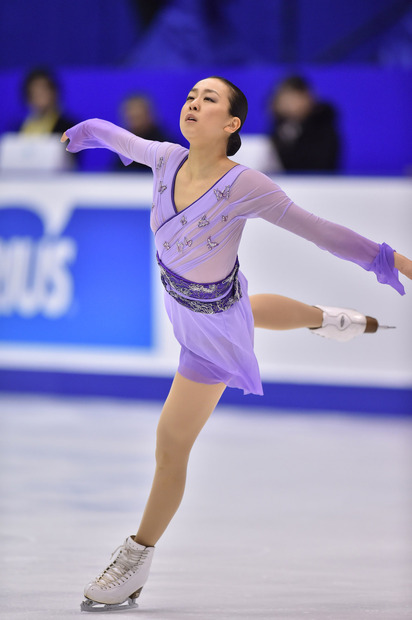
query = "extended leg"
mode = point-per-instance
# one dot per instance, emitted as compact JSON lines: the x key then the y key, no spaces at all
{"x":185,"y":412}
{"x":342,"y":324}
{"x":277,"y":312}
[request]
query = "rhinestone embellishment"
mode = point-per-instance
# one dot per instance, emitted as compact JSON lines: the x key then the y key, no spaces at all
{"x":160,"y":163}
{"x":183,"y":221}
{"x":203,"y":222}
{"x":203,"y":298}
{"x":188,"y":242}
{"x":225,"y":194}
{"x":166,"y":245}
{"x":153,"y":205}
{"x":225,"y":218}
{"x":211,"y":244}
{"x":162,"y":187}
{"x":179,"y":246}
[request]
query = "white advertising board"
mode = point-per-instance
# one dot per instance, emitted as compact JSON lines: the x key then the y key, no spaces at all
{"x":80,"y":292}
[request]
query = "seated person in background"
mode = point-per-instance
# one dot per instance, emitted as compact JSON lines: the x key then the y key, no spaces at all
{"x":138,"y":117}
{"x":304,"y":134}
{"x":41,"y":93}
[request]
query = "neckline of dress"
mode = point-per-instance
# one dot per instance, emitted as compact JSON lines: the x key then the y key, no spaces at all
{"x":200,"y":197}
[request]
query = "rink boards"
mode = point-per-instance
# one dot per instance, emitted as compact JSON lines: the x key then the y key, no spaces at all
{"x":80,"y":293}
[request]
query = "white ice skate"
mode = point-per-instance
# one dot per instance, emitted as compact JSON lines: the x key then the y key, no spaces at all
{"x":343,"y":324}
{"x":120,"y":584}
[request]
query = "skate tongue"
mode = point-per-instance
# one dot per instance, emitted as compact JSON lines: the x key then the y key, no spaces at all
{"x":134,"y":545}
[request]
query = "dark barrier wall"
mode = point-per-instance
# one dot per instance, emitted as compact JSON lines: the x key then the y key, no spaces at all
{"x":374,"y":105}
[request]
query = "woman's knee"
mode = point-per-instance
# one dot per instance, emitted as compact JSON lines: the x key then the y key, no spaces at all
{"x":171,"y":451}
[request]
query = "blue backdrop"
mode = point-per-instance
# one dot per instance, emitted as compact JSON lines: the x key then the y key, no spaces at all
{"x":190,"y":33}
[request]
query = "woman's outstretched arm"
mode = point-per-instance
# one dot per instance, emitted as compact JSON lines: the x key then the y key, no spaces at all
{"x":96,"y":133}
{"x":403,"y":264}
{"x":260,"y":197}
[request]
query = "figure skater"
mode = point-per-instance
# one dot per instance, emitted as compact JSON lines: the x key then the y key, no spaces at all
{"x":201,"y":201}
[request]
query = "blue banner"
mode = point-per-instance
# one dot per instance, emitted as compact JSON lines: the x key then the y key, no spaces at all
{"x":85,"y":280}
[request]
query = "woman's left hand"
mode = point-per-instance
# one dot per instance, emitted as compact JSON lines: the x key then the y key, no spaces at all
{"x":403,"y":264}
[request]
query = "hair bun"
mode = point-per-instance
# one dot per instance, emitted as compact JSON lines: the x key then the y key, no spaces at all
{"x":233,"y":144}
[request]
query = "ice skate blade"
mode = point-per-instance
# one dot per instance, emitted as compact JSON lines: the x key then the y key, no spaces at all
{"x":89,"y":605}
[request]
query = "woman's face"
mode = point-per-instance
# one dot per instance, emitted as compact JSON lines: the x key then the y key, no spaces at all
{"x":205,"y":115}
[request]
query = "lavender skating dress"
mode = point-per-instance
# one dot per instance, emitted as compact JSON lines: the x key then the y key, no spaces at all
{"x":205,"y":293}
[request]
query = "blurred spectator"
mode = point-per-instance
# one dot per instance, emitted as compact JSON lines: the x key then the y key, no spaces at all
{"x":41,"y":93}
{"x":33,"y":144}
{"x":138,"y":117}
{"x":304,"y":133}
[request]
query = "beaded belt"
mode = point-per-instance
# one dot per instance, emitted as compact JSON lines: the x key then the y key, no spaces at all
{"x":204,"y":298}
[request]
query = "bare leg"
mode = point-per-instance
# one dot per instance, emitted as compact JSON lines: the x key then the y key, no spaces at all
{"x":277,"y":312}
{"x":185,"y":412}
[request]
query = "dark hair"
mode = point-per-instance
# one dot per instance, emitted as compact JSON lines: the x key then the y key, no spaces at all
{"x":238,"y":107}
{"x":39,"y":74}
{"x":295,"y":82}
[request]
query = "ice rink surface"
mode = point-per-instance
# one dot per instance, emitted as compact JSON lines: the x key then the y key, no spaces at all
{"x":286,"y":515}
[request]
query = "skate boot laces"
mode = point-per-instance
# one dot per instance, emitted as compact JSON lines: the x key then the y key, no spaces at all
{"x":125,"y":564}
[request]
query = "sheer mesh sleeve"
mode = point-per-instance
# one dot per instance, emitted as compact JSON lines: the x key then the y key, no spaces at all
{"x":96,"y":133}
{"x":263,"y":198}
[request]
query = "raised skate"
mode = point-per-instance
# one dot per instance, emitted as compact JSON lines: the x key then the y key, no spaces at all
{"x":121,"y":583}
{"x":343,"y":324}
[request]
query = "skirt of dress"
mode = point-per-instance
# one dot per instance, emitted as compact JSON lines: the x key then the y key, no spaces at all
{"x":217,"y":348}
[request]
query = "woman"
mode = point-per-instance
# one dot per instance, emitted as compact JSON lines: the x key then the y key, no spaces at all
{"x":201,"y":202}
